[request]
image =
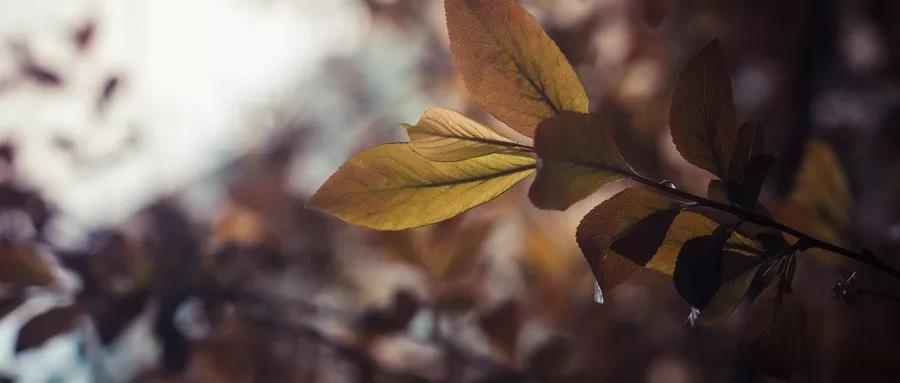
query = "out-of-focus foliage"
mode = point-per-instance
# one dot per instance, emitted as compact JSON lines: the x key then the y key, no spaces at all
{"x":264,"y":290}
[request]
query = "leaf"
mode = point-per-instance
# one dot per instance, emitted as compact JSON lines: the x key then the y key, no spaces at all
{"x":445,"y":135}
{"x":774,"y":334}
{"x":820,"y":203}
{"x":390,"y":187}
{"x":21,"y":265}
{"x":702,"y":116}
{"x":502,"y":324}
{"x":693,"y":222}
{"x":578,"y":156}
{"x":748,"y":167}
{"x":637,"y":208}
{"x":821,"y":186}
{"x":738,"y":273}
{"x":698,"y":269}
{"x":509,"y":64}
{"x":750,"y":143}
{"x":47,"y":325}
{"x":112,"y":314}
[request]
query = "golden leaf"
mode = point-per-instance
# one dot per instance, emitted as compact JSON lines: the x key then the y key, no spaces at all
{"x":390,"y":187}
{"x":610,"y":220}
{"x":445,"y":135}
{"x":578,"y":156}
{"x":821,"y":186}
{"x":689,"y":224}
{"x":509,"y":64}
{"x":702,"y":116}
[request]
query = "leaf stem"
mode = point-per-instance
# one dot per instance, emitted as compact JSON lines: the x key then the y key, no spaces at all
{"x":809,"y":241}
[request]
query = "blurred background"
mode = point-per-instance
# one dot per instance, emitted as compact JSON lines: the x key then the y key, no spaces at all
{"x":156,"y":156}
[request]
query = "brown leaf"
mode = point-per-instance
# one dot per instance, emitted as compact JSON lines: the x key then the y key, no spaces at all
{"x":698,"y":269}
{"x":750,"y":143}
{"x":21,"y":265}
{"x":611,"y":220}
{"x":774,"y":334}
{"x":47,"y":325}
{"x":501,"y":324}
{"x":510,"y":66}
{"x":702,"y":116}
{"x":578,"y":156}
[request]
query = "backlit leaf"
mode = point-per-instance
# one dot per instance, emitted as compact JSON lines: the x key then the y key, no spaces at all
{"x":578,"y":156}
{"x":821,"y":186}
{"x":390,"y":187}
{"x":750,"y":144}
{"x":695,"y":222}
{"x":445,"y":135}
{"x":702,"y":116}
{"x":820,"y":203}
{"x":774,"y":334}
{"x":610,"y":220}
{"x":509,"y":64}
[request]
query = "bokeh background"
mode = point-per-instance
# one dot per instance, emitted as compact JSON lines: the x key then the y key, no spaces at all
{"x":159,"y":153}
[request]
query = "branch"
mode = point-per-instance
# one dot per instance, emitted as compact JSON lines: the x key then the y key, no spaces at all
{"x":810,"y":241}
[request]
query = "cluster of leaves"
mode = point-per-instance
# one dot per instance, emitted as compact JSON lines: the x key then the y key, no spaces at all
{"x":719,"y":250}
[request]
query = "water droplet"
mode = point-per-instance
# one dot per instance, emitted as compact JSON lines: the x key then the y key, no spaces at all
{"x":692,"y":317}
{"x":668,"y":183}
{"x":598,"y":293}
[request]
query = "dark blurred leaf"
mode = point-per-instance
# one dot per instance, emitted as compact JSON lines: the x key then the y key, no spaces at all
{"x":551,"y":360}
{"x":21,"y":265}
{"x":510,"y":66}
{"x":578,"y":156}
{"x":112,"y":314}
{"x":502,"y":324}
{"x":637,"y":208}
{"x":653,"y":12}
{"x":41,"y":75}
{"x":702,"y":117}
{"x":10,"y":303}
{"x":774,"y":333}
{"x":84,"y":35}
{"x":46,"y":325}
{"x":698,"y":269}
{"x":395,"y":317}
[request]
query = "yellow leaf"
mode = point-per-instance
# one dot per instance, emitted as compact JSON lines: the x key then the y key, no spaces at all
{"x":821,"y":185}
{"x":820,"y":203}
{"x":509,"y":64}
{"x":702,"y":116}
{"x":445,"y":135}
{"x":578,"y":156}
{"x":611,"y":220}
{"x":390,"y":187}
{"x":689,"y":224}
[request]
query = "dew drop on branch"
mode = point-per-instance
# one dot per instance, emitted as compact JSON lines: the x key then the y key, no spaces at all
{"x":598,"y":293}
